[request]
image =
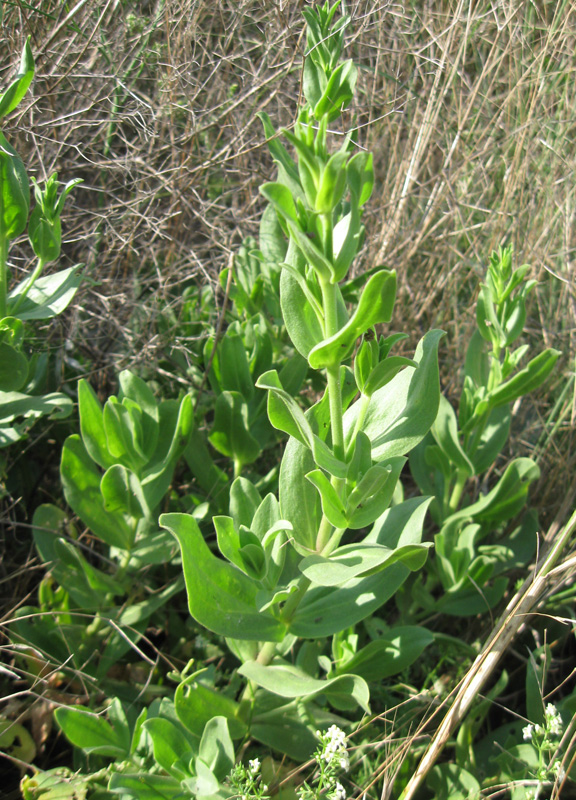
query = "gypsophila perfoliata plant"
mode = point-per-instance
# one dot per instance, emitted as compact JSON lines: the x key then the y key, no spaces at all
{"x":332,"y":759}
{"x":247,"y":781}
{"x":545,"y":739}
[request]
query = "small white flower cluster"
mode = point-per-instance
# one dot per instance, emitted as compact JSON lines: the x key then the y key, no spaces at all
{"x":552,"y":725}
{"x":334,"y":747}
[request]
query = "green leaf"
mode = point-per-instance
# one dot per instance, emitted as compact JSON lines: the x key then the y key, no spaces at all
{"x":86,"y":584}
{"x":376,"y":305}
{"x":196,"y":704}
{"x":531,"y":377}
{"x":401,"y":413}
{"x":384,"y":372}
{"x":216,"y":748}
{"x":332,"y":183}
{"x":332,"y":505}
{"x":81,"y":484}
{"x":231,"y":432}
{"x":327,"y":610}
{"x":220,"y":597}
{"x":505,"y":500}
{"x":91,"y":733}
{"x":14,"y":192}
{"x":49,"y":296}
{"x":445,"y":432}
{"x":374,"y":493}
{"x":176,"y":426}
{"x":139,"y":392}
{"x":338,"y":93}
{"x":300,"y":318}
{"x":282,"y":727}
{"x":494,"y":437}
{"x":145,"y":786}
{"x":172,"y":750}
{"x":234,"y":367}
{"x":244,"y":500}
{"x":12,"y":96}
{"x":353,"y":560}
{"x":122,"y":492}
{"x":92,"y":425}
{"x":382,"y":658}
{"x":287,"y":680}
{"x":299,"y":500}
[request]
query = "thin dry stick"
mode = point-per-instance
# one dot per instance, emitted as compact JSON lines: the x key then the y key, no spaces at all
{"x":509,"y":624}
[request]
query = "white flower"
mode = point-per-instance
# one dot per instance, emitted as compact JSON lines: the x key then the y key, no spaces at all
{"x":254,"y":766}
{"x":553,"y":719}
{"x":559,"y":770}
{"x":527,"y":732}
{"x":344,"y":761}
{"x":340,"y":792}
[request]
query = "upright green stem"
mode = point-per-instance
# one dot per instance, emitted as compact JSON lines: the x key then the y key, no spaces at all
{"x":3,"y":275}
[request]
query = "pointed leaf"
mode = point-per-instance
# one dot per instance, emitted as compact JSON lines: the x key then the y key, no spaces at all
{"x":220,"y":597}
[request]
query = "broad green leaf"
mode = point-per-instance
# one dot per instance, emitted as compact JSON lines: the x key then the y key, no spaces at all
{"x":87,"y":585}
{"x":351,"y":561}
{"x":525,"y":381}
{"x":196,"y":704}
{"x":203,"y":784}
{"x":145,"y":786}
{"x":338,"y":93}
{"x":122,"y":492}
{"x":283,"y":729}
{"x":91,"y":733}
{"x":234,"y":367}
{"x":49,"y":295}
{"x":136,"y":389}
{"x":12,"y":96}
{"x":172,"y":750}
{"x":81,"y":484}
{"x":92,"y":425}
{"x":374,"y":493}
{"x":376,"y":305}
{"x":382,"y":658}
{"x":384,"y":372}
{"x":299,"y":500}
{"x":288,"y":680}
{"x":18,"y":412}
{"x":216,"y":748}
{"x":220,"y":597}
{"x":244,"y":500}
{"x":123,"y":431}
{"x":332,"y":183}
{"x":14,"y":192}
{"x":494,"y":437}
{"x":283,"y":411}
{"x":445,"y":431}
{"x":505,"y":500}
{"x":332,"y":505}
{"x":230,"y":432}
{"x":176,"y":426}
{"x":402,"y":412}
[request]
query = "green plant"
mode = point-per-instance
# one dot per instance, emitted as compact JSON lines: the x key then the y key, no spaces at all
{"x":115,"y":475}
{"x":285,"y":569}
{"x":35,"y":297}
{"x":471,"y":552}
